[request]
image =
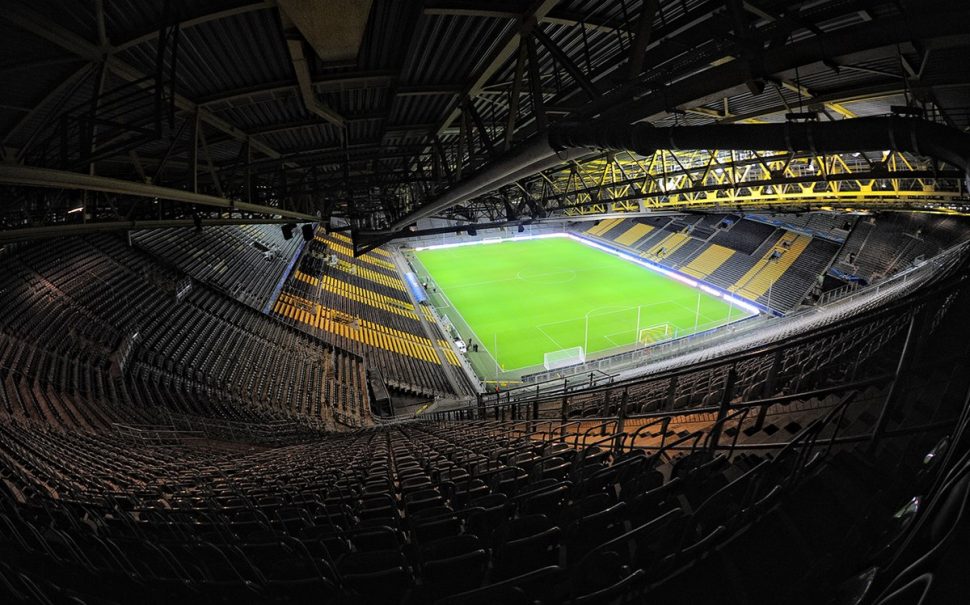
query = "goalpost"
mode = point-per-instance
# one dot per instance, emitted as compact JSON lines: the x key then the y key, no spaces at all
{"x":654,"y":334}
{"x":553,"y":360}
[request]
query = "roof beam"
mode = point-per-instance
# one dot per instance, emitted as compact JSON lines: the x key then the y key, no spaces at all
{"x":809,"y":97}
{"x":300,"y":125}
{"x":199,"y":20}
{"x":284,"y":127}
{"x":869,"y":91}
{"x":31,"y":176}
{"x":840,"y":45}
{"x":508,"y":48}
{"x":294,"y":44}
{"x":58,"y":90}
{"x":35,"y":233}
{"x":328,"y":83}
{"x":419,"y":90}
{"x":506,"y":10}
{"x":567,"y":63}
{"x":41,"y":26}
{"x":638,"y":49}
{"x":572,"y":20}
{"x":99,"y":16}
{"x":310,"y":100}
{"x":497,"y":10}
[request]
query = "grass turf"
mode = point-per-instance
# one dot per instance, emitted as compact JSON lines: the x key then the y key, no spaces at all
{"x":528,"y":297}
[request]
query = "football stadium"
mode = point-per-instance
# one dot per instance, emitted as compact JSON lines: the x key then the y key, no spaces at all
{"x":529,"y":302}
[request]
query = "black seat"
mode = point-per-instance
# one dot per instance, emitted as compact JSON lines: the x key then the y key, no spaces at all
{"x":468,"y":490}
{"x":525,"y":544}
{"x":453,"y":564}
{"x":547,"y":502}
{"x":639,"y":548}
{"x":324,"y":541}
{"x":378,"y":537}
{"x":540,"y":585}
{"x":593,"y":529}
{"x":381,"y":576}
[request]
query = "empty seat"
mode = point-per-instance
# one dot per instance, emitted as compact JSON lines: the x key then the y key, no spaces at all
{"x":525,"y":544}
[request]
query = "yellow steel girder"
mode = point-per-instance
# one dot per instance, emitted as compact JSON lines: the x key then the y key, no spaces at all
{"x":712,"y":178}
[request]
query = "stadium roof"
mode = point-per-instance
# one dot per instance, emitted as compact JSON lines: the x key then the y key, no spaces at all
{"x":371,"y":109}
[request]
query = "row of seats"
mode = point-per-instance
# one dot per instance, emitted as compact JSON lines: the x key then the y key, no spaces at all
{"x":362,"y":305}
{"x":827,"y":225}
{"x":473,"y":512}
{"x":758,"y":261}
{"x":884,"y":244}
{"x":90,"y":320}
{"x":246,"y":262}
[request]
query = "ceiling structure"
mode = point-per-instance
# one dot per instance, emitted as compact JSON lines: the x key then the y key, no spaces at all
{"x":373,"y":110}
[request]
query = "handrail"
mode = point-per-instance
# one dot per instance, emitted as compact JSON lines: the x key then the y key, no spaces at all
{"x":614,"y":437}
{"x":815,"y":393}
{"x":696,"y":436}
{"x":844,"y":405}
{"x":810,"y":436}
{"x":664,"y":420}
{"x":719,"y":424}
{"x":602,"y":425}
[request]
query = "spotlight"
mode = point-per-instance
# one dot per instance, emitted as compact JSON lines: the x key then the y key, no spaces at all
{"x":307,"y":233}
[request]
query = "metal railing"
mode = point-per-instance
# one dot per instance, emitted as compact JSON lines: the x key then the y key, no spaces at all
{"x":268,"y":431}
{"x":153,"y":434}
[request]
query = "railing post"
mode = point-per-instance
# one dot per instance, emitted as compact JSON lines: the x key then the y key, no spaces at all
{"x":905,"y":357}
{"x":772,"y":378}
{"x":671,"y":395}
{"x":725,"y":405}
{"x":563,"y":415}
{"x":606,"y":404}
{"x":769,"y":388}
{"x":621,"y":413}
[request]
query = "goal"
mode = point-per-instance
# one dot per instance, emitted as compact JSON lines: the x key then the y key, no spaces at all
{"x":654,"y":334}
{"x":553,"y":360}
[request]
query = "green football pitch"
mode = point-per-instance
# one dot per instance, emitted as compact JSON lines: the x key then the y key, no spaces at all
{"x":522,"y":299}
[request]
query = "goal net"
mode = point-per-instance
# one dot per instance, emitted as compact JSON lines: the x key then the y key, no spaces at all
{"x":553,"y":360}
{"x":654,"y":334}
